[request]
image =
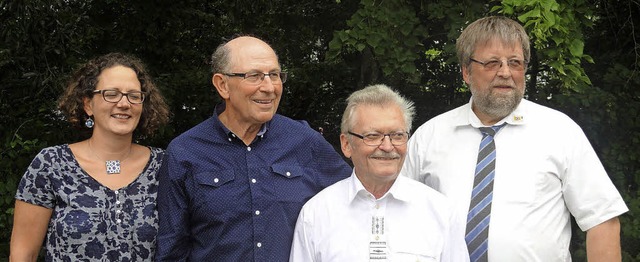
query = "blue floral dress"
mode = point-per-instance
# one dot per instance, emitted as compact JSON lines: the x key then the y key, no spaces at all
{"x":91,"y":222}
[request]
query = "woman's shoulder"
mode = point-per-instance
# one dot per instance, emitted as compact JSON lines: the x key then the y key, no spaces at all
{"x":53,"y":154}
{"x":155,"y":157}
{"x":156,"y":150}
{"x":157,"y":153}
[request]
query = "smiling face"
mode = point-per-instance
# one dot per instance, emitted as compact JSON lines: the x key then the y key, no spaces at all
{"x":495,"y":94}
{"x":375,"y":164}
{"x":116,"y":118}
{"x":249,"y":103}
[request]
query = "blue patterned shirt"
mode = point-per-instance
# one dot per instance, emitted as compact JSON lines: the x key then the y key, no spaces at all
{"x":220,"y":200}
{"x":89,"y":221}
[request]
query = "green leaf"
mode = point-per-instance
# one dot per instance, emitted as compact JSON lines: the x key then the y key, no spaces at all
{"x":535,"y":13}
{"x":432,"y":54}
{"x":588,"y":58}
{"x":374,"y":40}
{"x":576,"y":47}
{"x":549,"y":17}
{"x":551,"y":5}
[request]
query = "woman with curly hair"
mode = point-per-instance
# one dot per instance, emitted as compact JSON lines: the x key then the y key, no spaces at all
{"x":96,"y":199}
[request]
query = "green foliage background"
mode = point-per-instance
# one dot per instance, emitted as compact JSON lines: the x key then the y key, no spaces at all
{"x":585,"y":62}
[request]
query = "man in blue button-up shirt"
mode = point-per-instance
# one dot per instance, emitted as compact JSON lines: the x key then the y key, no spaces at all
{"x":231,"y":187}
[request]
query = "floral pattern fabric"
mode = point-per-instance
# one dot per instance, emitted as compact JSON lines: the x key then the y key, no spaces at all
{"x":91,"y":222}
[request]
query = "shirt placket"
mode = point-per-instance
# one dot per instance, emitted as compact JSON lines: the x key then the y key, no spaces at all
{"x":256,"y":204}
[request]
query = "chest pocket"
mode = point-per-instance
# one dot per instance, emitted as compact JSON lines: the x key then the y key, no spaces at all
{"x":413,"y":247}
{"x":287,"y":171}
{"x":210,"y":190}
{"x":215,"y":179}
{"x":291,"y":184}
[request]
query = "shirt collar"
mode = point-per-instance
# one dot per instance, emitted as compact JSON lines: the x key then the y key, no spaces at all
{"x":466,"y":116}
{"x":355,"y":187}
{"x":221,"y":107}
{"x":396,"y":191}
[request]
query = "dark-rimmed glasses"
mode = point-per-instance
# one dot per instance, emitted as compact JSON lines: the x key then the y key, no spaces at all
{"x":375,"y":139}
{"x":495,"y":65}
{"x":114,"y":96}
{"x":258,"y":77}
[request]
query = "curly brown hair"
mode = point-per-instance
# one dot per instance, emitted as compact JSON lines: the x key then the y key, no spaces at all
{"x":155,"y":111}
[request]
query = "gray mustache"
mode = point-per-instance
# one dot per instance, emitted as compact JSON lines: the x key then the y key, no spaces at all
{"x":386,"y":155}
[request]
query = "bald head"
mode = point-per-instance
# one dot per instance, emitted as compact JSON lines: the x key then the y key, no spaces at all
{"x":247,"y":41}
{"x":229,"y":53}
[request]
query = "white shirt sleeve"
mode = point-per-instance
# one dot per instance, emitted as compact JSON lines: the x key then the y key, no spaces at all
{"x":455,"y":248}
{"x":301,"y":248}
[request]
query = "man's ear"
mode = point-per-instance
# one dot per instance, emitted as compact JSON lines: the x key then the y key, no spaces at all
{"x":220,"y":82}
{"x":345,"y":145}
{"x":465,"y":74}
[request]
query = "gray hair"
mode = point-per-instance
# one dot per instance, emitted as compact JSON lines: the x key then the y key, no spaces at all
{"x":485,"y":29}
{"x":379,"y":95}
{"x":221,"y":58}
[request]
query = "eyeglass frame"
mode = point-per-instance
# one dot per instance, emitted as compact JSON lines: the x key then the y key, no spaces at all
{"x":363,"y":137}
{"x":282,"y":76}
{"x":122,"y":94}
{"x":484,"y":64}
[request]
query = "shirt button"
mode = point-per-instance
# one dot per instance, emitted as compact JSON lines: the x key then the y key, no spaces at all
{"x":118,"y":221}
{"x":215,"y":180}
{"x":377,"y":206}
{"x":248,"y":148}
{"x":259,"y":244}
{"x":118,"y":202}
{"x":116,"y":192}
{"x":233,"y":135}
{"x":257,"y":212}
{"x":253,"y":180}
{"x":229,"y":139}
{"x":288,"y":173}
{"x":118,"y":211}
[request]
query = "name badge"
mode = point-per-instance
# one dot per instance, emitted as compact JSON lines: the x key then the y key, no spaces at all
{"x":378,"y":251}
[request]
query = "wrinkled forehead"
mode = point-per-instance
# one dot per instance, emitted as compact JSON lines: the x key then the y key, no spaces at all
{"x":497,"y":41}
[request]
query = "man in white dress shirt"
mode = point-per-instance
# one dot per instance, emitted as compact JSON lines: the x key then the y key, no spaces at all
{"x":545,"y":168}
{"x":375,"y":215}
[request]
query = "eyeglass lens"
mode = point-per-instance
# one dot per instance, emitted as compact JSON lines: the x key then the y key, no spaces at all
{"x":377,"y":139}
{"x":114,"y":96}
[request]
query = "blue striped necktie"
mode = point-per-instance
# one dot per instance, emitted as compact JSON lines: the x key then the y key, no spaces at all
{"x":480,"y":207}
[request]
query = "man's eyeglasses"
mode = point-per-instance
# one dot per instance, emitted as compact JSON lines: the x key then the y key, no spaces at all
{"x":375,"y":139}
{"x":114,"y":96}
{"x":495,"y":65}
{"x":258,"y":77}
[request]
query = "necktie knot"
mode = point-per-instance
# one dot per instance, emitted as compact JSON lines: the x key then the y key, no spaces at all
{"x":491,"y":131}
{"x":487,"y":131}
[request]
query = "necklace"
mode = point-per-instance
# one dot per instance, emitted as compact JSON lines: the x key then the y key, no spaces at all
{"x":113,"y":166}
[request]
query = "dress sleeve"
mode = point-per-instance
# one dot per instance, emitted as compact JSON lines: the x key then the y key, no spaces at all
{"x":301,"y":248}
{"x":589,"y":193}
{"x":36,"y":186}
{"x":455,"y":246}
{"x":173,"y":217}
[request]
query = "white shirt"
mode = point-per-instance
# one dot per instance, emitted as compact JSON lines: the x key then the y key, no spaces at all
{"x":546,"y":170}
{"x":336,"y":224}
